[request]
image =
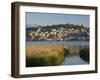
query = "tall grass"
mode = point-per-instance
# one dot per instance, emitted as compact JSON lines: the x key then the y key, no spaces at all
{"x":44,"y":55}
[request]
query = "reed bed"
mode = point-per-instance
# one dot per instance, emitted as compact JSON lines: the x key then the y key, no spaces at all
{"x":44,"y":55}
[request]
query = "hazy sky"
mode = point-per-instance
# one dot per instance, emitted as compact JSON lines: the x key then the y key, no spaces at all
{"x":32,"y":18}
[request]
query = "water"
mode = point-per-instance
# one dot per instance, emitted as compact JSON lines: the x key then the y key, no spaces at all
{"x":73,"y":60}
{"x":59,"y":42}
{"x":74,"y":48}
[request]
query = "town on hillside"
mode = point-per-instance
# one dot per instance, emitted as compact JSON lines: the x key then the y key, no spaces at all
{"x":58,"y":32}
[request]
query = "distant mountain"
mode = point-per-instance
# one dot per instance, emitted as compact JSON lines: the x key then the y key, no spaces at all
{"x":34,"y":25}
{"x":28,"y":25}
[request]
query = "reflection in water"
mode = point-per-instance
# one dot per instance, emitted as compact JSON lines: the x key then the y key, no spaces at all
{"x":73,"y":60}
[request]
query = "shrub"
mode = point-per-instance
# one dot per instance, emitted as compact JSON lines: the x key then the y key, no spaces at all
{"x":84,"y":54}
{"x":66,"y":52}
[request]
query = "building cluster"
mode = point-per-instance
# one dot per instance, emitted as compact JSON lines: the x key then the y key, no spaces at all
{"x":59,"y":34}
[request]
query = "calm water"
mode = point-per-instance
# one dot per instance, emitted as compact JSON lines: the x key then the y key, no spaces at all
{"x":74,"y":48}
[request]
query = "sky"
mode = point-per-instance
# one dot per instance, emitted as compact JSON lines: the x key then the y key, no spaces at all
{"x":33,"y":18}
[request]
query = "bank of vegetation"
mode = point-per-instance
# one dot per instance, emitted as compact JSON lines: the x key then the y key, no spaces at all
{"x":49,"y":55}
